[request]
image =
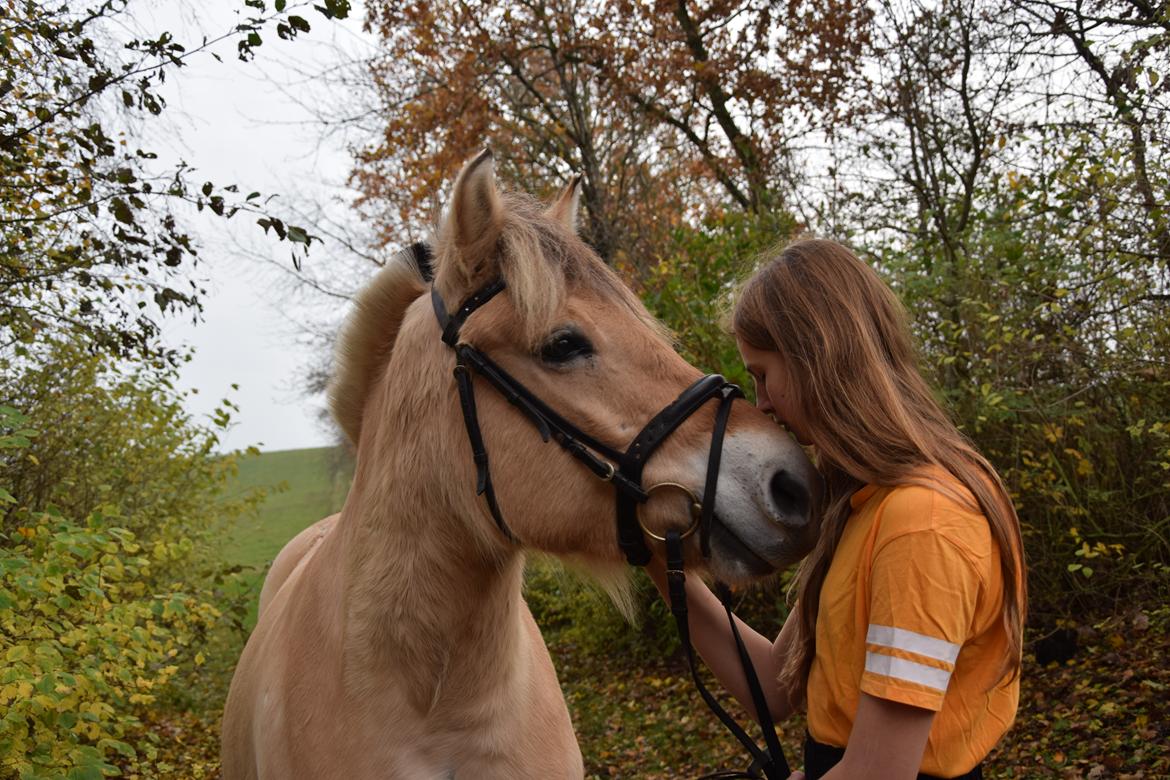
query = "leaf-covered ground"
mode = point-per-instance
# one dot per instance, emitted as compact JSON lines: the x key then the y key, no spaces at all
{"x":1102,"y":714}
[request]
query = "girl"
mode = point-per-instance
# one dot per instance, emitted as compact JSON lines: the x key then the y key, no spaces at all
{"x":905,"y":640}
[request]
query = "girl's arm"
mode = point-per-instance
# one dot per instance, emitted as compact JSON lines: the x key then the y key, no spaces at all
{"x":887,"y":741}
{"x":888,"y":738}
{"x":711,"y":636}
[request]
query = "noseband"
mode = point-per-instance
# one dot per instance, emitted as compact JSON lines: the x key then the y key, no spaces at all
{"x":624,"y":471}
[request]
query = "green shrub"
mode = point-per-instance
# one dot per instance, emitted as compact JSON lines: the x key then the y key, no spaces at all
{"x":86,"y":645}
{"x":111,"y":435}
{"x":112,"y":602}
{"x":690,"y":287}
{"x":1047,"y":343}
{"x":1049,"y":346}
{"x":574,"y":610}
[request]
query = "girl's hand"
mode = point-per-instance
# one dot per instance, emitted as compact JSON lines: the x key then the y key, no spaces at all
{"x":798,"y":775}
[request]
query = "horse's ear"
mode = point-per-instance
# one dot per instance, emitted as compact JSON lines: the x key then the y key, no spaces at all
{"x":564,"y":208}
{"x":474,"y":219}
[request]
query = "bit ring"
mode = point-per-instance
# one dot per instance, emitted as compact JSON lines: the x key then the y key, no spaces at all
{"x":696,"y":510}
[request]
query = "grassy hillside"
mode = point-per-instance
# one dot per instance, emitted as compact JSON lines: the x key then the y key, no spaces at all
{"x":305,"y":485}
{"x":302,"y":487}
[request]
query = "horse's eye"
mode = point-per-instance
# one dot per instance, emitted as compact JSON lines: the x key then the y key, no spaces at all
{"x":565,"y":345}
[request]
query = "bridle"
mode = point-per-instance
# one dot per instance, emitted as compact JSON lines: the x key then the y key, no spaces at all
{"x":623,"y":469}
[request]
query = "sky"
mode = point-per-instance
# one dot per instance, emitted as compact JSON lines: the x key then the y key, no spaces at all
{"x":248,"y":123}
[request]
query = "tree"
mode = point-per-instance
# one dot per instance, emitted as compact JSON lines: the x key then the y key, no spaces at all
{"x":1122,"y":47}
{"x":667,"y":110}
{"x":738,"y":81}
{"x":1005,"y":190}
{"x":93,"y":241}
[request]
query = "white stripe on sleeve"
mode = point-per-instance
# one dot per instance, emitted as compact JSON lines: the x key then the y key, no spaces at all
{"x":909,"y":671}
{"x":912,"y":642}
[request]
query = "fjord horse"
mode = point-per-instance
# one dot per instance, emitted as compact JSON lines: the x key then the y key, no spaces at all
{"x":393,"y":640}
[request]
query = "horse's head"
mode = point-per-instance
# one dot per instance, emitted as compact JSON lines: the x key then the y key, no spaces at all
{"x":570,"y":332}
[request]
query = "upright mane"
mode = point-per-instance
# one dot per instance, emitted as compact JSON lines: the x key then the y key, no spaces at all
{"x":540,"y":258}
{"x":364,"y":347}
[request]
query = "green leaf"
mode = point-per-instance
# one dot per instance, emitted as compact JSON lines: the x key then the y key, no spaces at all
{"x":334,"y":9}
{"x":297,"y":235}
{"x":120,"y":747}
{"x":121,"y":211}
{"x":89,"y":772}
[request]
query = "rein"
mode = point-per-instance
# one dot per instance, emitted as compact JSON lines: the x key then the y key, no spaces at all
{"x":624,"y":471}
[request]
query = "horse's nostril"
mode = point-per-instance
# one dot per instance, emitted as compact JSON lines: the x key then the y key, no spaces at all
{"x":791,"y":498}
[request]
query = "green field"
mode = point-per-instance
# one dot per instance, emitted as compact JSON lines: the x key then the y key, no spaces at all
{"x":303,"y":487}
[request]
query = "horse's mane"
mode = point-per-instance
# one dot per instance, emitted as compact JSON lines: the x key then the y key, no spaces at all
{"x":363,"y":350}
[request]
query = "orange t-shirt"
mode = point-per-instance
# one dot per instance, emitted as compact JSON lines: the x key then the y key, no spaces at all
{"x":910,"y":611}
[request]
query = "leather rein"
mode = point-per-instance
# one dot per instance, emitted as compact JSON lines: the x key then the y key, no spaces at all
{"x":624,"y":471}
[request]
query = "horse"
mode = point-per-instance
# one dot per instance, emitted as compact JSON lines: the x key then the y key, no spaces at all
{"x":393,"y":639}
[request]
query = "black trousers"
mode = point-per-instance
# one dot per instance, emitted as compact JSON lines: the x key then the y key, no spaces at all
{"x":820,"y":758}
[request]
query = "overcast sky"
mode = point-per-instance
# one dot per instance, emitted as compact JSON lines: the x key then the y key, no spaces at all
{"x":239,"y":122}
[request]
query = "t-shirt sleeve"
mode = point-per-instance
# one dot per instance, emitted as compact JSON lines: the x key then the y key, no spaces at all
{"x":923,"y":595}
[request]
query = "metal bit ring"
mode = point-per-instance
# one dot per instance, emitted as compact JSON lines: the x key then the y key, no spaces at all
{"x":696,"y":510}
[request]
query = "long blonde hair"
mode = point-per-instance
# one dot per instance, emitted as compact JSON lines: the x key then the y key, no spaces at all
{"x":844,"y":336}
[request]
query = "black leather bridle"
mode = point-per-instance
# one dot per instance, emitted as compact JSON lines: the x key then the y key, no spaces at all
{"x":624,"y":471}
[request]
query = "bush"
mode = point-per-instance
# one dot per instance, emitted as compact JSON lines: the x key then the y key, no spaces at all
{"x":107,"y":435}
{"x":578,"y":612}
{"x":86,"y":644}
{"x":690,"y":287}
{"x":1047,"y":349}
{"x":107,"y":617}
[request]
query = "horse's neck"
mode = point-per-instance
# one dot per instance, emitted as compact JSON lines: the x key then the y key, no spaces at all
{"x":427,"y":606}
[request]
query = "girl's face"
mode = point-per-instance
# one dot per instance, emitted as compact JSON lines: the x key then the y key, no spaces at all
{"x":775,"y":389}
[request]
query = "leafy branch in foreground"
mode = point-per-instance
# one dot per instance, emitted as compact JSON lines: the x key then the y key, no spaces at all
{"x":94,"y":239}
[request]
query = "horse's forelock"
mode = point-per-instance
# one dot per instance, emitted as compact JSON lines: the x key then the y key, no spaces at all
{"x":541,"y":261}
{"x":533,"y":263}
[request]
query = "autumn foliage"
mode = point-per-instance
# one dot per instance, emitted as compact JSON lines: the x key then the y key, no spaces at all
{"x":1000,"y":164}
{"x":657,"y":105}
